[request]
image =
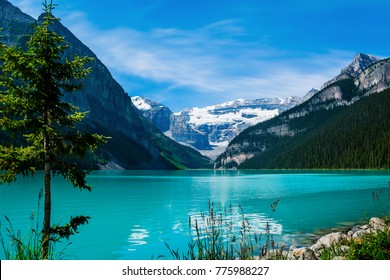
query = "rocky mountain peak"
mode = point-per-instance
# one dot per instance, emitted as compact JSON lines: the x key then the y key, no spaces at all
{"x":13,"y":19}
{"x":4,"y":4}
{"x":310,"y":94}
{"x":309,"y":130}
{"x":359,"y":63}
{"x":143,"y":103}
{"x":10,"y":13}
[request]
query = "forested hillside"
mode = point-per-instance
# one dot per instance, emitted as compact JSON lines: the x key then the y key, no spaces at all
{"x":346,"y":137}
{"x":344,"y":125}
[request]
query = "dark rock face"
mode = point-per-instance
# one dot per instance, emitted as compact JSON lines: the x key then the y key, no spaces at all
{"x":181,"y":131}
{"x":14,"y":23}
{"x":156,"y":113}
{"x":162,"y":119}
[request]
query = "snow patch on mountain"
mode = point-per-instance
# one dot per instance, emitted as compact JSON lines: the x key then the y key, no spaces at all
{"x":232,"y":116}
{"x":141,"y":103}
{"x":240,"y":111}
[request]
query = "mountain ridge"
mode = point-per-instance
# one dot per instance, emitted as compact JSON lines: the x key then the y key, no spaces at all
{"x":264,"y":145}
{"x":355,"y":68}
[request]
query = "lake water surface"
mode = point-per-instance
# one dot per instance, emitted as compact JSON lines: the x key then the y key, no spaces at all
{"x":135,"y":212}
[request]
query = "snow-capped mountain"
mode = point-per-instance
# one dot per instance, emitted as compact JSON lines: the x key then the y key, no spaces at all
{"x":175,"y":127}
{"x":210,"y":129}
{"x":158,"y":114}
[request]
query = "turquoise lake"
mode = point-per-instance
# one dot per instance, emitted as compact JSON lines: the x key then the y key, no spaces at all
{"x":135,"y":212}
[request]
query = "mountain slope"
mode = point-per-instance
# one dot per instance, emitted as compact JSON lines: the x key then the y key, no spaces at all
{"x":176,"y":127}
{"x":135,"y":143}
{"x":210,"y":129}
{"x":356,"y":137}
{"x":345,"y":125}
{"x":15,"y":24}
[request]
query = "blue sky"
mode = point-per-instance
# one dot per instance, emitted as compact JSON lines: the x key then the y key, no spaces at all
{"x":197,"y":53}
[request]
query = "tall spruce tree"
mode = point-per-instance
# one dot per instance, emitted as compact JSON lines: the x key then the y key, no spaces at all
{"x":43,"y":128}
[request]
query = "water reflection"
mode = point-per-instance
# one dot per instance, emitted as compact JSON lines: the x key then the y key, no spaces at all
{"x":137,"y":237}
{"x":177,"y":227}
{"x":233,"y":222}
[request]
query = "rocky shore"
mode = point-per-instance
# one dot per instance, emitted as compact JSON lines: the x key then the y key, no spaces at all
{"x":331,"y":240}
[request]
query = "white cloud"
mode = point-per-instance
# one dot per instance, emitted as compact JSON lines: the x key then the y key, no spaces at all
{"x":206,"y":61}
{"x":216,"y":59}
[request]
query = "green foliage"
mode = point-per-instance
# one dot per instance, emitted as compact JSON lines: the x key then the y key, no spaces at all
{"x":372,"y":246}
{"x":134,"y":144}
{"x":45,"y":129}
{"x":21,"y":247}
{"x":31,"y":90}
{"x":59,"y":232}
{"x":336,"y":251}
{"x":375,"y":246}
{"x":179,"y":156}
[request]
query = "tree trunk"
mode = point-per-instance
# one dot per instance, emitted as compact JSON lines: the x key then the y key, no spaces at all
{"x":45,"y":243}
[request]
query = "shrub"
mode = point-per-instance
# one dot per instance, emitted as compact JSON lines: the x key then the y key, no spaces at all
{"x":374,"y":246}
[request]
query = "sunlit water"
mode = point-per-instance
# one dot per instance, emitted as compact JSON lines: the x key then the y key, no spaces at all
{"x":135,"y":212}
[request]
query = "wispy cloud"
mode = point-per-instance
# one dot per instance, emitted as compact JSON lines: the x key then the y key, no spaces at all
{"x":219,"y":60}
{"x":207,"y":59}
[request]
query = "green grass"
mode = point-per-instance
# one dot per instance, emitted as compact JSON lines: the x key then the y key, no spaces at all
{"x":24,"y":247}
{"x":374,"y":246}
{"x":213,"y":237}
{"x":18,"y":246}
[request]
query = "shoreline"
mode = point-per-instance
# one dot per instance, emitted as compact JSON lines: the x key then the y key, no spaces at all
{"x":336,"y":241}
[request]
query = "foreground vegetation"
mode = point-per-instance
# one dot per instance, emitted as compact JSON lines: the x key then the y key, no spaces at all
{"x":17,"y":245}
{"x":373,"y":246}
{"x":213,"y":237}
